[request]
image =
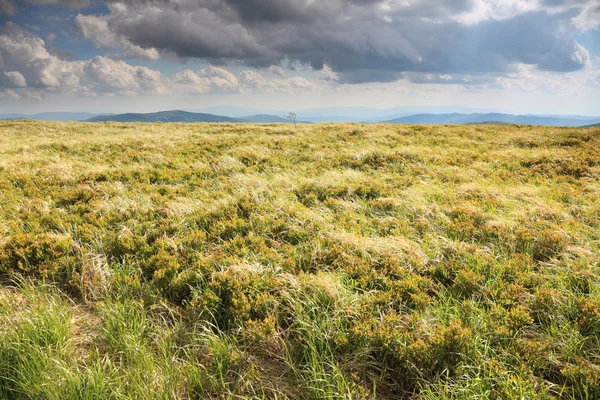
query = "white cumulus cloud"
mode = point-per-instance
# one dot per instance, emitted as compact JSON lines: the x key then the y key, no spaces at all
{"x":29,"y":69}
{"x":207,"y":80}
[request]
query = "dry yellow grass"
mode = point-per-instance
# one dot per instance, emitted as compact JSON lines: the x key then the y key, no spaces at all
{"x":327,"y":261}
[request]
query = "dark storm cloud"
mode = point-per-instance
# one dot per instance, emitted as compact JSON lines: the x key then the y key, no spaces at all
{"x":361,"y":40}
{"x":199,"y":34}
{"x":275,"y":11}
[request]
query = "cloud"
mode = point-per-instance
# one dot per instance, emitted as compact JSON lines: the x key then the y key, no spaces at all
{"x":359,"y":40}
{"x":65,"y":55}
{"x":218,"y":80}
{"x":29,"y":69}
{"x":328,"y":74}
{"x":252,"y":81}
{"x":15,"y":79}
{"x":28,"y":55}
{"x":98,"y":30}
{"x":277,"y":70}
{"x":207,"y":80}
{"x":527,"y":79}
{"x":105,"y":75}
{"x":69,"y":3}
{"x":484,"y":43}
{"x":9,"y":7}
{"x":184,"y":31}
{"x":10,"y":28}
{"x":589,"y":18}
{"x":298,"y":82}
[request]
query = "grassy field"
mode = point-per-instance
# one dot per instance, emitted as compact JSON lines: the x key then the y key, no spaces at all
{"x":194,"y":261}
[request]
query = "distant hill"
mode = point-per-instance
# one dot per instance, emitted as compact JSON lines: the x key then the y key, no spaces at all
{"x":11,"y":116}
{"x":590,"y":126}
{"x":456,"y":118}
{"x":265,"y":118}
{"x":165,"y":116}
{"x":51,"y":116}
{"x":184,"y":116}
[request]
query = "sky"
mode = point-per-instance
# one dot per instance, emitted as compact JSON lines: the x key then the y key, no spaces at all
{"x":520,"y":56}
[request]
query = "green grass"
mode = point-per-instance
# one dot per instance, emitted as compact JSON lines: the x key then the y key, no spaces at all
{"x":338,"y":261}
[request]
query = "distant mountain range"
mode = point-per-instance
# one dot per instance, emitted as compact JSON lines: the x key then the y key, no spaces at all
{"x":456,"y":118}
{"x":342,"y":114}
{"x":453,"y":118}
{"x":400,"y":115}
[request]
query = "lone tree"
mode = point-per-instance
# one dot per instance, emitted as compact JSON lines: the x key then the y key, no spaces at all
{"x":292,"y":117}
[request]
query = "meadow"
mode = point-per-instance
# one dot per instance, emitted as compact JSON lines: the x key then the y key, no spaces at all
{"x":331,"y":261}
